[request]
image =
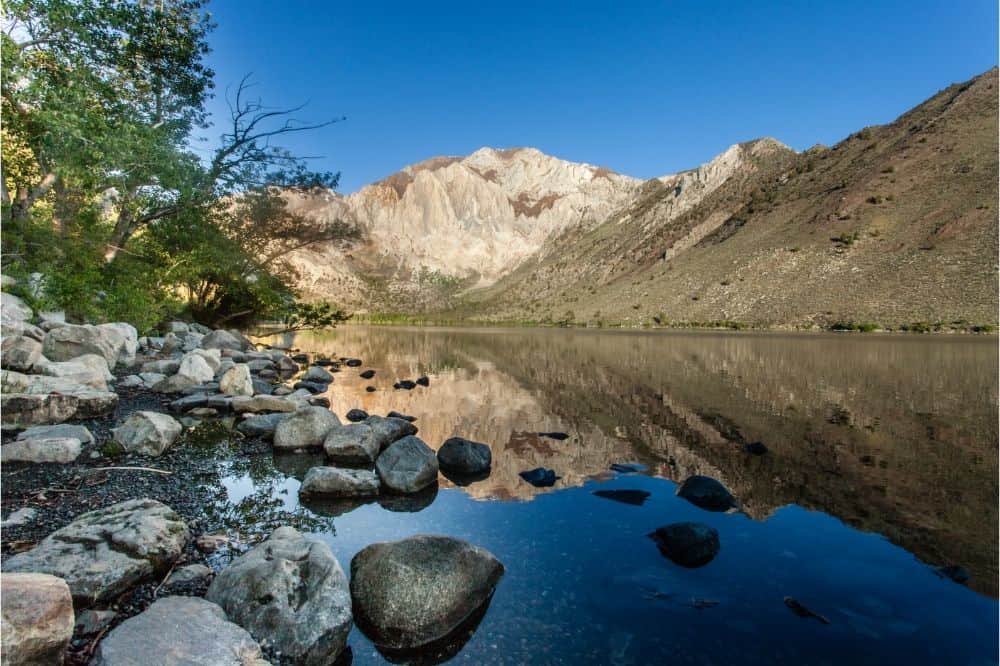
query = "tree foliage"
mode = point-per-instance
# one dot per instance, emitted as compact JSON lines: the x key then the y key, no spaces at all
{"x":101,"y":187}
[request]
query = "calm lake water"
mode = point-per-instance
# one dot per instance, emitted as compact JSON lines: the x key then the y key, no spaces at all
{"x":881,"y":465}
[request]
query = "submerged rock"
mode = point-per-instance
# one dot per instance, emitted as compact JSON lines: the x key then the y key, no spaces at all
{"x":404,"y":384}
{"x":356,"y":415}
{"x":417,"y":591}
{"x":340,"y":482}
{"x":148,"y":433}
{"x":625,"y":496}
{"x":306,"y":428}
{"x":424,"y":380}
{"x":407,"y":465}
{"x":687,"y":544}
{"x":353,"y":363}
{"x":540,"y":477}
{"x":291,"y":594}
{"x":464,"y":456}
{"x":37,"y":618}
{"x":706,"y":493}
{"x":103,"y":553}
{"x":179,"y":631}
{"x":954,"y":573}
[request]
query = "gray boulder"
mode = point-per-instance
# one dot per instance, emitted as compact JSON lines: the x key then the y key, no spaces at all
{"x":389,"y":429}
{"x":36,"y":399}
{"x":464,"y":456}
{"x":105,"y":552}
{"x":68,"y":342}
{"x":63,"y":430}
{"x":291,"y":594}
{"x":13,"y":310}
{"x":352,"y":444}
{"x":196,"y":368}
{"x":179,"y":631}
{"x":166,"y":366}
{"x":37,"y":619}
{"x":222,"y":340}
{"x":317,"y":374}
{"x":407,"y":465}
{"x":45,"y":450}
{"x":306,"y":428}
{"x":263,"y":403}
{"x":339,"y":482}
{"x":89,"y":369}
{"x":237,"y":381}
{"x":20,"y":353}
{"x":130,"y":344}
{"x":148,"y":433}
{"x":261,"y":425}
{"x":176,"y":384}
{"x":419,"y":590}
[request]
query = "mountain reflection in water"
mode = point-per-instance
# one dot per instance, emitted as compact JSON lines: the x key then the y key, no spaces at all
{"x":880,"y":464}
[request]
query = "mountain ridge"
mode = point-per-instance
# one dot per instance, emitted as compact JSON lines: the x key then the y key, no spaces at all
{"x":758,"y":236}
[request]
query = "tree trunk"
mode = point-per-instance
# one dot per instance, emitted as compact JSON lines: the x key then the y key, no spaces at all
{"x":26,"y":199}
{"x":122,"y":232}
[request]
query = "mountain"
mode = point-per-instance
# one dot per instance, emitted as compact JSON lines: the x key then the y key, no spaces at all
{"x":896,"y":225}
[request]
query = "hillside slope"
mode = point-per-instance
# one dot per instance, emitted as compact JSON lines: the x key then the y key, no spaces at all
{"x":895,"y":225}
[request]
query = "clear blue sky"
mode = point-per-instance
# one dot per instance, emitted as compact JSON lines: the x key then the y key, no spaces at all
{"x":645,"y":88}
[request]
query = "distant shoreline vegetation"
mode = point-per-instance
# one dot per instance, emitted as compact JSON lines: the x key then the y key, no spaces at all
{"x":940,"y":327}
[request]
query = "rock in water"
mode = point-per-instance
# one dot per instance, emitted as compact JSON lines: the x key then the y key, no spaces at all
{"x":356,"y":415}
{"x":389,"y":429}
{"x":706,"y":493}
{"x":103,"y":553}
{"x":405,"y":384}
{"x":339,"y":482}
{"x":237,"y":381}
{"x":291,"y":594}
{"x":560,"y":436}
{"x":179,"y":631}
{"x":628,"y":468}
{"x":353,"y":362}
{"x":367,"y":374}
{"x":37,"y":618}
{"x":625,"y":496}
{"x":419,"y":590}
{"x":317,"y":374}
{"x":306,"y":428}
{"x":464,"y":456}
{"x":148,"y":433}
{"x":397,"y":415}
{"x":353,"y":444}
{"x":424,"y":380}
{"x":407,"y":465}
{"x":687,"y":544}
{"x":261,"y":425}
{"x":540,"y":477}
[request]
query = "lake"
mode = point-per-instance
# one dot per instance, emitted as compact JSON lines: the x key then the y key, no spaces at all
{"x":881,"y":465}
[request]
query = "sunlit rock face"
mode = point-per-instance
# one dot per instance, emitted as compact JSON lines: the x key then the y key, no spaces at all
{"x":473,"y":218}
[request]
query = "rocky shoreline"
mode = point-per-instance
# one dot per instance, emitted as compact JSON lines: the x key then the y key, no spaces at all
{"x":111,"y":543}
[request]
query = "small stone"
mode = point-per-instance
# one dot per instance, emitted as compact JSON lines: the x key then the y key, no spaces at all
{"x":90,"y":622}
{"x":367,"y":374}
{"x":356,"y":415}
{"x":405,"y":384}
{"x":22,"y":516}
{"x":396,"y":415}
{"x":353,"y":362}
{"x":424,"y":380}
{"x":540,"y":477}
{"x":706,"y":493}
{"x":191,"y":573}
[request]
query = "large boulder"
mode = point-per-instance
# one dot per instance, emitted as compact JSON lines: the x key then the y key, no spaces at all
{"x":291,"y":594}
{"x":36,"y":399}
{"x":352,"y":444}
{"x":223,"y":340}
{"x":407,"y":465}
{"x":179,"y":631}
{"x":237,"y":381}
{"x":126,"y":355}
{"x":67,"y":342}
{"x":463,"y":456}
{"x":148,"y":433}
{"x":339,"y":482}
{"x":175,"y":384}
{"x":37,"y":619}
{"x":388,"y":429}
{"x":89,"y":369}
{"x":263,"y":403}
{"x":706,"y":493}
{"x":43,"y":450}
{"x":19,"y":352}
{"x":196,"y":368}
{"x":13,"y":310}
{"x":261,"y":425}
{"x":306,"y":428}
{"x":687,"y":544}
{"x":63,"y":430}
{"x":419,"y":590}
{"x":21,"y":409}
{"x":105,"y":552}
